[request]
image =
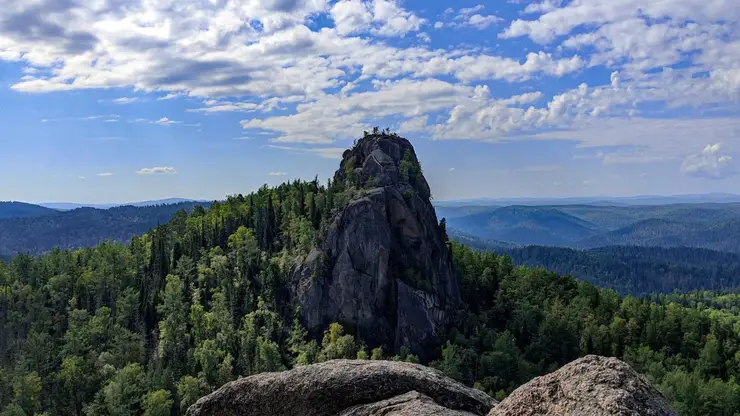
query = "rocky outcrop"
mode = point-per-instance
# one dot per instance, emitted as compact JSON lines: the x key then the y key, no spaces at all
{"x":346,"y":388}
{"x":590,"y":386}
{"x":382,"y":267}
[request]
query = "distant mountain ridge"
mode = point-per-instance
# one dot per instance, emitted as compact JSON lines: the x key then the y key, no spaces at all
{"x":714,"y":226}
{"x":83,"y":227}
{"x":74,"y":205}
{"x":14,"y":209}
{"x":597,"y":200}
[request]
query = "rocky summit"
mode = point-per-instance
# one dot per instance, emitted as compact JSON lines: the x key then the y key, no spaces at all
{"x":590,"y":386}
{"x":382,"y":267}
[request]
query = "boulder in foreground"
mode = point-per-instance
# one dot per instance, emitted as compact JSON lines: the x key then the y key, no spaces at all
{"x":346,"y":388}
{"x":590,"y":386}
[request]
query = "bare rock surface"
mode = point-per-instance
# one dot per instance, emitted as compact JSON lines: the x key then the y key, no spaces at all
{"x":409,"y":404}
{"x":346,"y":388}
{"x":382,"y":267}
{"x":590,"y":386}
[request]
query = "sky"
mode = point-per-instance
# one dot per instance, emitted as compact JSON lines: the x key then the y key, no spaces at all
{"x":125,"y":100}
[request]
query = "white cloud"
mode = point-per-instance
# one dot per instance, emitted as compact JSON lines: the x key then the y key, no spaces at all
{"x":556,"y":21}
{"x":451,"y":169}
{"x":104,"y":174}
{"x":468,"y":18}
{"x":708,"y":164}
{"x":414,"y":124}
{"x":277,"y":174}
{"x":164,"y":170}
{"x":424,"y":37}
{"x":169,"y":96}
{"x":225,"y":107}
{"x":164,"y":121}
{"x":106,"y":117}
{"x":81,"y":177}
{"x":351,"y":16}
{"x":333,"y":117}
{"x":394,"y":20}
{"x":126,"y":100}
{"x":216,"y":106}
{"x":482,"y":22}
{"x":666,"y":59}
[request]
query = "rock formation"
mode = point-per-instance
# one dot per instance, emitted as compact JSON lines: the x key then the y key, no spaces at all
{"x":382,"y":268}
{"x":590,"y":386}
{"x":346,"y":388}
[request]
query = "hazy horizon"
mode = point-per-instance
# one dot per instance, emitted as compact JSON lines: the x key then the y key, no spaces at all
{"x":435,"y":200}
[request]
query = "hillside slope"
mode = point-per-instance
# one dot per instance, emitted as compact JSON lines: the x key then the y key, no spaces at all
{"x":82,"y":227}
{"x":23,"y":210}
{"x":720,"y":235}
{"x":525,"y":225}
{"x":634,"y":270}
{"x":587,"y":226}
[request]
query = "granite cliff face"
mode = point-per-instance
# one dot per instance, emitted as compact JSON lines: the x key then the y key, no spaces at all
{"x":383,"y":267}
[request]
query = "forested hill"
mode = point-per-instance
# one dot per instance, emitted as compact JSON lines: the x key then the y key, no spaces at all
{"x":702,"y":225}
{"x":151,"y":326}
{"x":22,"y":210}
{"x":82,"y":227}
{"x":636,"y":270}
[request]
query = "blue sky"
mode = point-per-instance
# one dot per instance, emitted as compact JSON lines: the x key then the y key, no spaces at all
{"x":125,"y":100}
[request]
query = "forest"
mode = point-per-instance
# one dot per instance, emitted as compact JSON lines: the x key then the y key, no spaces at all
{"x":702,"y":225}
{"x":148,"y":327}
{"x":636,"y":270}
{"x":32,"y":229}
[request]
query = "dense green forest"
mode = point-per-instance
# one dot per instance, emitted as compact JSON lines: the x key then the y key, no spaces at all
{"x":635,"y":270}
{"x":78,"y":228}
{"x":14,"y":209}
{"x":149,"y":327}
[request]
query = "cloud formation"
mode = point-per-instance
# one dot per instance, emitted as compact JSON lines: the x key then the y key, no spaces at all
{"x":709,"y":163}
{"x":601,"y":72}
{"x":126,"y":100}
{"x":164,"y":170}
